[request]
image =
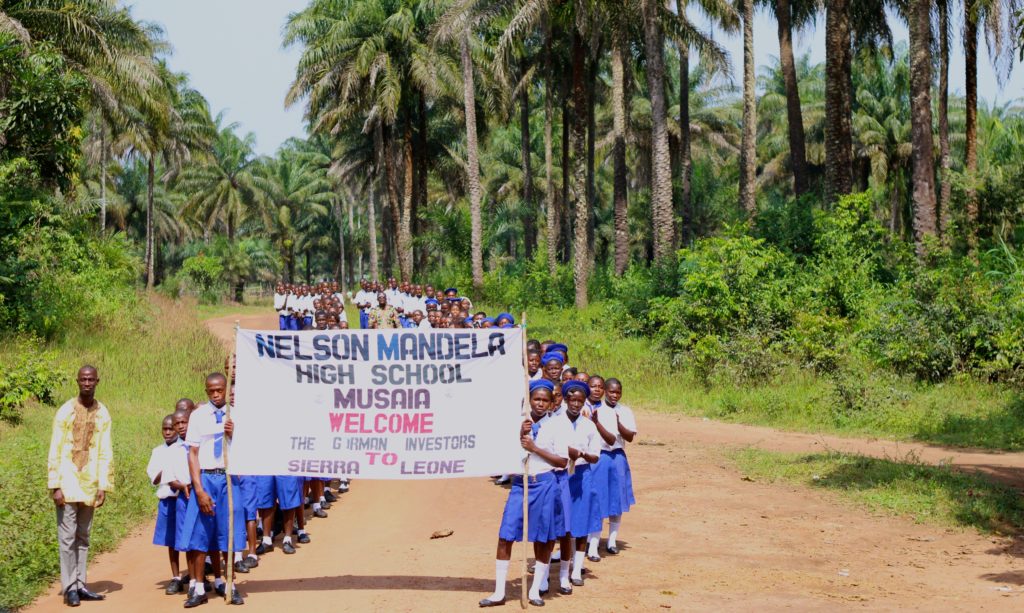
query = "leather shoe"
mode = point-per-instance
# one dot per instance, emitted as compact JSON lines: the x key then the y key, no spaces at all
{"x":576,"y":582}
{"x":330,"y":497}
{"x":537,"y":602}
{"x":613,"y":551}
{"x":71,"y":598}
{"x":326,"y":504}
{"x":263,"y":548}
{"x":251,"y":561}
{"x":85,"y":594}
{"x":236,"y":598}
{"x":545,"y":592}
{"x":195,"y":600}
{"x":565,"y":591}
{"x":303,"y":538}
{"x":288,"y":548}
{"x":594,"y":558}
{"x":319,"y":513}
{"x":241,"y":567}
{"x":173,"y":587}
{"x":492,"y":603}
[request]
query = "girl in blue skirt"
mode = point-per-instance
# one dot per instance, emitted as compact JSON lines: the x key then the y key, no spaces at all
{"x":548,"y":449}
{"x":616,"y":424}
{"x":584,"y":451}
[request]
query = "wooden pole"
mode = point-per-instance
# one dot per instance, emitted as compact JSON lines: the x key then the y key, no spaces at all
{"x":524,"y":595}
{"x":230,"y":571}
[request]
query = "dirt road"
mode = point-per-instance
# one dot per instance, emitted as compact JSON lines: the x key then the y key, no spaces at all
{"x":701,"y":538}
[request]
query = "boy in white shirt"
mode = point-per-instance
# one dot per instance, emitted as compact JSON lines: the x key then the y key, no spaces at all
{"x":168,"y":470}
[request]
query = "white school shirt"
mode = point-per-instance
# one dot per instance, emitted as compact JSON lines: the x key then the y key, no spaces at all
{"x":171,"y":463}
{"x":537,"y":375}
{"x":203,"y":431}
{"x":610,"y":417}
{"x":553,"y":438}
{"x":393,"y":296}
{"x":278,"y":301}
{"x":584,"y":437}
{"x":425,"y":324}
{"x":362,"y":296}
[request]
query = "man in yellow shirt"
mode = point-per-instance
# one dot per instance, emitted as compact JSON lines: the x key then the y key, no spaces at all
{"x":80,"y":473}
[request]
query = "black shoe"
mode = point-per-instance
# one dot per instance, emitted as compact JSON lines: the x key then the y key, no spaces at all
{"x":195,"y":600}
{"x":241,"y":567}
{"x":492,"y":603}
{"x":319,"y":513}
{"x":545,"y":592}
{"x":236,"y":598}
{"x":594,"y":558}
{"x":537,"y":602}
{"x":263,"y":548}
{"x":330,"y":497}
{"x":85,"y":594}
{"x":612,"y":551}
{"x":565,"y":591}
{"x":71,"y":598}
{"x":221,"y":590}
{"x":326,"y":504}
{"x":288,"y":548}
{"x":208,"y":586}
{"x":251,"y":561}
{"x":174,"y":587}
{"x":576,"y":582}
{"x":208,"y":569}
{"x":303,"y":538}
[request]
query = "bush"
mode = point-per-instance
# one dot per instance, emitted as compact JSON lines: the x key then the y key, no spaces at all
{"x":204,"y":273}
{"x":31,"y":375}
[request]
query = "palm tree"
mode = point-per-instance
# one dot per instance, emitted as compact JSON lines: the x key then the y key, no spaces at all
{"x":944,"y":10}
{"x":838,"y":105}
{"x":661,"y":167}
{"x":748,"y":151}
{"x":925,"y":222}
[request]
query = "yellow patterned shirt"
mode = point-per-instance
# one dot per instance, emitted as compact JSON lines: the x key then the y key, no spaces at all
{"x":81,"y":458}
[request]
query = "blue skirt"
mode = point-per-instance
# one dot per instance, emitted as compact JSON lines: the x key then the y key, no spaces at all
{"x":202,"y":532}
{"x":544,"y":496}
{"x":625,"y":480}
{"x":586,"y":514}
{"x":600,"y":481}
{"x":166,"y":521}
{"x":563,"y":508}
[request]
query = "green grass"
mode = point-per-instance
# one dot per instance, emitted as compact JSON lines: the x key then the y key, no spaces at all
{"x":212,"y":311}
{"x":861,"y":401}
{"x":145,"y":365}
{"x":930,"y":494}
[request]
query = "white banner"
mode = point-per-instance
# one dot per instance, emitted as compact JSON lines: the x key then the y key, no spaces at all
{"x":378,"y":404}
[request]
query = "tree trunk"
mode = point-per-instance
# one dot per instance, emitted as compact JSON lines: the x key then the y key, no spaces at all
{"x":838,"y":104}
{"x":472,"y":168}
{"x":150,"y":181}
{"x":103,"y":178}
{"x":422,"y":170}
{"x":553,"y":228}
{"x":946,"y":187}
{"x":341,"y":245}
{"x":661,"y":164}
{"x":309,"y":271}
{"x":971,"y":119}
{"x":685,"y":152}
{"x":578,"y":191}
{"x":797,"y":146}
{"x":564,"y":208}
{"x":405,"y":255}
{"x":371,"y":209}
{"x":530,"y":208}
{"x":925,"y":223}
{"x":391,"y":183}
{"x":748,"y":152}
{"x":620,"y":195}
{"x":591,"y":83}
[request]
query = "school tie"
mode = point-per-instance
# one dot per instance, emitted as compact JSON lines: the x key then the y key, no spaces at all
{"x":218,"y":440}
{"x":534,"y":429}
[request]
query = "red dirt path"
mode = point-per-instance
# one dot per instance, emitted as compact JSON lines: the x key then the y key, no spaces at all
{"x":701,"y":538}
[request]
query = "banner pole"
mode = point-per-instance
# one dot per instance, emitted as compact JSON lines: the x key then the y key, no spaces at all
{"x":524,"y":595}
{"x":230,"y":554}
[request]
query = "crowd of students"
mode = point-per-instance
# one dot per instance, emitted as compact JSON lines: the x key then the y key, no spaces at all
{"x":188,"y":470}
{"x":579,"y":476}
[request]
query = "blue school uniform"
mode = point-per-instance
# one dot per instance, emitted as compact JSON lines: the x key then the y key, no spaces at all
{"x":248,"y":485}
{"x":283,"y":490}
{"x":544,"y":493}
{"x":617,"y":491}
{"x":202,"y":532}
{"x":586,"y":512}
{"x":171,"y":464}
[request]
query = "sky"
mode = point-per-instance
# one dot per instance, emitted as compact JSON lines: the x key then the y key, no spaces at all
{"x":231,"y":50}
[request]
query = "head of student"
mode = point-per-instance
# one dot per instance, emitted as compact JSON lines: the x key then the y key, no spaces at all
{"x":553,"y":363}
{"x":167,"y":429}
{"x":532,"y":361}
{"x":568,"y":374}
{"x":503,"y":319}
{"x":612,"y":391}
{"x":417,"y":316}
{"x":88,"y":378}
{"x":451,"y":293}
{"x":392,"y":283}
{"x":217,"y":389}
{"x":180,"y":420}
{"x":541,"y":398}
{"x":582,"y":376}
{"x":185,"y":404}
{"x":575,"y":394}
{"x":428,"y":291}
{"x":487,"y":322}
{"x":596,"y":383}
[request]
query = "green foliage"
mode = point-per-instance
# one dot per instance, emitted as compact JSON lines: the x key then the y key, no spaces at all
{"x":204,"y":272}
{"x":27,"y":374}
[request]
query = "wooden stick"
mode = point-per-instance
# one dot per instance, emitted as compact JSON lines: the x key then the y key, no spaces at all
{"x":524,"y":595}
{"x":230,"y":570}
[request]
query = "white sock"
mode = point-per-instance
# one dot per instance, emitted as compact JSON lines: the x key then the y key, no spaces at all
{"x":613,"y":529}
{"x":238,"y":556}
{"x":176,"y":578}
{"x":218,"y":582}
{"x":208,"y":560}
{"x":563,"y":574}
{"x":287,"y":539}
{"x":191,"y":583}
{"x":544,"y":580}
{"x":577,"y":564}
{"x":316,"y":506}
{"x":540,"y":572}
{"x":301,"y":531}
{"x":254,"y":556}
{"x":268,"y":540}
{"x":200,"y":589}
{"x":592,"y":540}
{"x":323,"y":499}
{"x":500,"y":575}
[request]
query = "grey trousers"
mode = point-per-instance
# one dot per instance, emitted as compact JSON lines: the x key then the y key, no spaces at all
{"x":74,"y":520}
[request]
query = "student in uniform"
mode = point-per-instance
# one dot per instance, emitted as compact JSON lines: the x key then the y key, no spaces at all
{"x":284,"y":492}
{"x":623,"y":429}
{"x":548,"y":449}
{"x":585,"y":445}
{"x":206,"y":519}
{"x":552,"y":364}
{"x":504,"y":319}
{"x":168,"y":470}
{"x":533,"y":364}
{"x":185,"y":404}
